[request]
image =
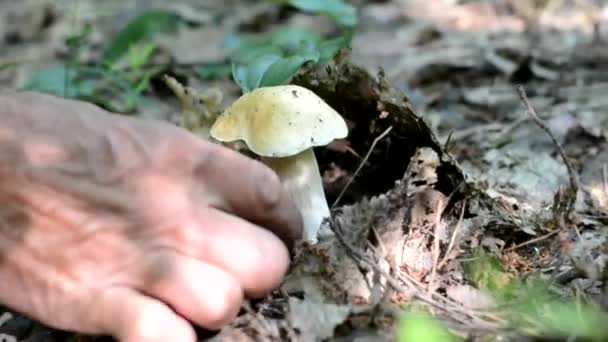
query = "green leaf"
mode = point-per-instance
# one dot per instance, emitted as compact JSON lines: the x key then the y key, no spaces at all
{"x":112,"y":90}
{"x":249,"y":53}
{"x":213,"y":71}
{"x":273,"y":59}
{"x":293,"y":39}
{"x":146,"y":77}
{"x":289,"y":40}
{"x":249,"y":76}
{"x":343,"y":13}
{"x":327,"y":49}
{"x":143,"y":27}
{"x":94,"y":84}
{"x":284,"y":68}
{"x":139,"y":54}
{"x":270,"y":64}
{"x":78,"y":38}
{"x":54,"y":81}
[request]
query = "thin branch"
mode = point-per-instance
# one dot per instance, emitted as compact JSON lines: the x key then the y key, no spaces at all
{"x":531,"y":241}
{"x":574,"y":181}
{"x":367,"y":155}
{"x":454,"y":236}
{"x":564,"y":201}
{"x":397,"y":283}
{"x":431,"y":283}
{"x":605,"y":179}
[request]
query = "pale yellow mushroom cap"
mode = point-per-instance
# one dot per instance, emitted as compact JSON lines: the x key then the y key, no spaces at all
{"x":280,"y":121}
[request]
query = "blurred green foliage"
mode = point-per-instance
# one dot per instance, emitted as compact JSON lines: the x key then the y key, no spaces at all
{"x":273,"y":59}
{"x":139,"y":29}
{"x":340,"y":11}
{"x":532,"y":306}
{"x":118,"y":80}
{"x":417,"y":326}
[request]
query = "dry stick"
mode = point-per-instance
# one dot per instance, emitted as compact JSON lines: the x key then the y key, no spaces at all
{"x":416,"y":293}
{"x":437,"y":266}
{"x":540,"y":238}
{"x":395,"y":283}
{"x":367,"y":155}
{"x":464,"y":133}
{"x":502,"y":128}
{"x":431,"y":282}
{"x":605,"y":179}
{"x":454,"y":236}
{"x":574,"y":181}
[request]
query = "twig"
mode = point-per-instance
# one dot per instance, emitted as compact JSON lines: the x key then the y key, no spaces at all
{"x":605,"y":179}
{"x":574,"y":182}
{"x":379,"y":239}
{"x":367,"y":155}
{"x":531,"y":241}
{"x":464,"y":133}
{"x":454,"y":236}
{"x":397,"y":283}
{"x":563,"y":206}
{"x":431,"y":283}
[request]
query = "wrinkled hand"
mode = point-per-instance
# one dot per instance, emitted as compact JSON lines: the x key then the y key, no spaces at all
{"x":128,"y":227}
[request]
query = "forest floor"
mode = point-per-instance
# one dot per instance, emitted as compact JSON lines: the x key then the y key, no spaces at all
{"x":461,"y":194}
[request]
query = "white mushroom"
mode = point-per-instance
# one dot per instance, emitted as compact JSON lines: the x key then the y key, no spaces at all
{"x":282,"y":124}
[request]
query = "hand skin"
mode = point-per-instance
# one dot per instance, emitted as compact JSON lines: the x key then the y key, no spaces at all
{"x":131,"y":227}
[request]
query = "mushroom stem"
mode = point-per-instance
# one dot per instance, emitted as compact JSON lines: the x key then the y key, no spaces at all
{"x":300,"y":176}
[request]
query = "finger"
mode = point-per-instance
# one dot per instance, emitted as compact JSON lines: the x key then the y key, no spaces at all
{"x":130,"y":316}
{"x":256,"y":257}
{"x":203,"y":293}
{"x":249,"y":189}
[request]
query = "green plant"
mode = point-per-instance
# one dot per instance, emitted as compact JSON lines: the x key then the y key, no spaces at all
{"x":119,"y":79}
{"x":141,"y":28}
{"x":338,"y":10}
{"x":531,"y":307}
{"x":272,"y":59}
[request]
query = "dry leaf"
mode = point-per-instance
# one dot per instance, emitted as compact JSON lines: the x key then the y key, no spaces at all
{"x":316,"y":321}
{"x":469,"y":297}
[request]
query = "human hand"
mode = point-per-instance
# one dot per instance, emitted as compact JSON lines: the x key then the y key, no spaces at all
{"x":128,"y":227}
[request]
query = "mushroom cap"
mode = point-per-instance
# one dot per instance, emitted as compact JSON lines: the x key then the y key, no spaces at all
{"x":280,"y":121}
